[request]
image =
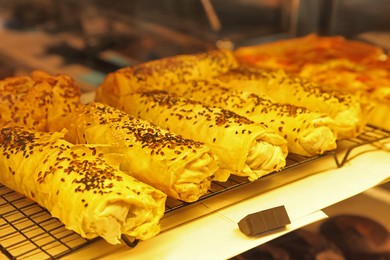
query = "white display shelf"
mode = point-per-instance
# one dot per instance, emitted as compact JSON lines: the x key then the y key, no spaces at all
{"x":216,"y":235}
{"x":209,"y":229}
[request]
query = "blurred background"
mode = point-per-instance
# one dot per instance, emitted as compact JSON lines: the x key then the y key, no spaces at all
{"x":90,"y":38}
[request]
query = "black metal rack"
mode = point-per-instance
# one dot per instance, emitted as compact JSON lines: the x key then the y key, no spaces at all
{"x":234,"y":182}
{"x":27,"y":231}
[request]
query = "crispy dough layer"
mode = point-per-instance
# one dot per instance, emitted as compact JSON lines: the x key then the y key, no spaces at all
{"x":80,"y":185}
{"x":33,"y":101}
{"x":307,"y":132}
{"x":179,"y":167}
{"x":164,"y":72}
{"x":235,"y":140}
{"x":348,"y":111}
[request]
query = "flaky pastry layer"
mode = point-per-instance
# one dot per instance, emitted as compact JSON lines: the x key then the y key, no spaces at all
{"x":233,"y":138}
{"x":79,"y":185}
{"x":307,"y":132}
{"x":179,"y":167}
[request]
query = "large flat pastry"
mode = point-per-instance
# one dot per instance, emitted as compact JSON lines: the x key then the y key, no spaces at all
{"x":157,"y":74}
{"x":307,"y":132}
{"x":35,"y":100}
{"x":293,"y":54}
{"x":181,"y":168}
{"x":80,"y":185}
{"x":332,"y":61}
{"x":243,"y":147}
{"x":350,"y":112}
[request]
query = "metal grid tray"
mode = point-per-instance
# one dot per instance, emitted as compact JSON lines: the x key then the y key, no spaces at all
{"x":27,"y":231}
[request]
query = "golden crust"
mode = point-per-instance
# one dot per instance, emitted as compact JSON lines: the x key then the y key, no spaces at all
{"x":349,"y":111}
{"x":293,"y":54}
{"x":307,"y":132}
{"x":242,"y":146}
{"x":332,"y":62}
{"x":164,"y":72}
{"x":80,"y":185}
{"x":33,"y":101}
{"x":181,"y":168}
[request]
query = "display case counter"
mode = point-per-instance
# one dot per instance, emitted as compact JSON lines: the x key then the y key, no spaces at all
{"x":208,"y":229}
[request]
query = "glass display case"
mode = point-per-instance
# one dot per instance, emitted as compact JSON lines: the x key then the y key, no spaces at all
{"x":89,"y":39}
{"x":102,"y":36}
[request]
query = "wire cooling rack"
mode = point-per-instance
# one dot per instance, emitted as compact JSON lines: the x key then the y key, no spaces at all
{"x":27,"y":231}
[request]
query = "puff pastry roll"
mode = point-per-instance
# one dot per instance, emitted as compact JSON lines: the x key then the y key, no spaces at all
{"x":163,"y":72}
{"x":307,"y":132}
{"x":349,"y":111}
{"x":79,"y":186}
{"x":35,"y":100}
{"x":181,"y":168}
{"x":243,"y":147}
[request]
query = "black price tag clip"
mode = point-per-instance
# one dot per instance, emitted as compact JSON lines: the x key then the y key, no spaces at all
{"x":263,"y":221}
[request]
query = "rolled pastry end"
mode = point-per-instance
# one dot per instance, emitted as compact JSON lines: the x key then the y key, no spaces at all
{"x":316,"y":141}
{"x":187,"y":178}
{"x":195,"y":179}
{"x":133,"y":220}
{"x":267,"y":153}
{"x":111,"y":89}
{"x":264,"y":158}
{"x":124,"y":216}
{"x":351,"y":122}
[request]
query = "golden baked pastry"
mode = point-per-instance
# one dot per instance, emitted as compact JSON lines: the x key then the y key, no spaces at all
{"x":335,"y":62}
{"x":292,"y":54}
{"x":167,"y":71}
{"x":307,"y":132}
{"x":33,"y":101}
{"x":80,"y":185}
{"x":181,"y":168}
{"x":368,"y":79}
{"x":243,"y":147}
{"x":350,"y":112}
